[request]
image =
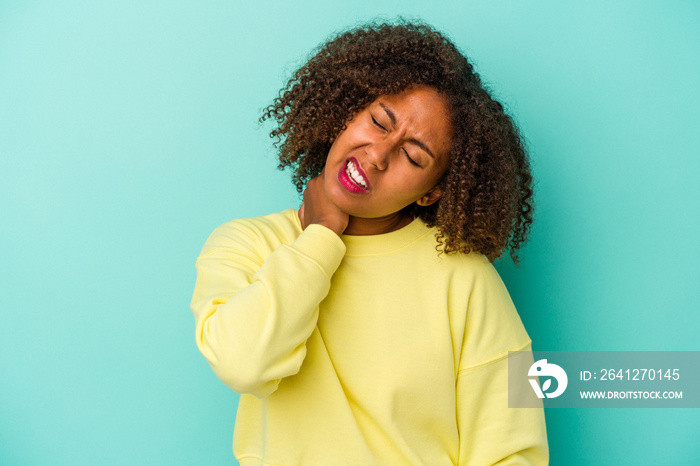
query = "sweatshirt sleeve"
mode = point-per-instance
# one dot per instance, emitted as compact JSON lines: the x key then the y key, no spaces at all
{"x":254,"y":313}
{"x":489,"y":431}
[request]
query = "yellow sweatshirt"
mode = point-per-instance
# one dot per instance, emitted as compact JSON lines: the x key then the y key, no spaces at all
{"x":361,"y":350}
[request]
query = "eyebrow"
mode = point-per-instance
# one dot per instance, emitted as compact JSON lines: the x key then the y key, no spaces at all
{"x":415,"y":141}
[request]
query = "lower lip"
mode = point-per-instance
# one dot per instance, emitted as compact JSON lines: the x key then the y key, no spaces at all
{"x":348,"y":184}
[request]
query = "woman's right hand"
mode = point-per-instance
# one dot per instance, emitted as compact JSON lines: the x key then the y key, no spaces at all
{"x":317,"y":208}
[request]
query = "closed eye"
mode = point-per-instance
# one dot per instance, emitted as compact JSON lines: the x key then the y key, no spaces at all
{"x":410,"y":159}
{"x":408,"y":156}
{"x":377,"y":123}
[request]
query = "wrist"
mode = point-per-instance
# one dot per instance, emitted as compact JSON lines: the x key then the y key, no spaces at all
{"x":337,"y":227}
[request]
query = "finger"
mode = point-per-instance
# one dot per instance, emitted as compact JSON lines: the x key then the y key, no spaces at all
{"x":301,"y":216}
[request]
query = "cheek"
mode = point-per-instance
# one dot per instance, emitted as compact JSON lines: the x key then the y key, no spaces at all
{"x":421,"y":179}
{"x":408,"y":188}
{"x":328,"y":176}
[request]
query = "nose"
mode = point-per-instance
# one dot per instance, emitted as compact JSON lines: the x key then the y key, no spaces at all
{"x":379,"y":153}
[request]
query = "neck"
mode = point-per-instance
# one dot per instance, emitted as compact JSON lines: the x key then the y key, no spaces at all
{"x":359,"y":226}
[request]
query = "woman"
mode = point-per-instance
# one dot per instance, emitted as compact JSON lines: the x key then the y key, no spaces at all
{"x":369,"y":326}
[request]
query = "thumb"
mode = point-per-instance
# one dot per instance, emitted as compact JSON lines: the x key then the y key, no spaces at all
{"x":301,"y":216}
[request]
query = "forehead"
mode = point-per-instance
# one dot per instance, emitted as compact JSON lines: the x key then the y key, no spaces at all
{"x":422,"y":111}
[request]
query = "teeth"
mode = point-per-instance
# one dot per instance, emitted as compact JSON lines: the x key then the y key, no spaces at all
{"x":354,"y":175}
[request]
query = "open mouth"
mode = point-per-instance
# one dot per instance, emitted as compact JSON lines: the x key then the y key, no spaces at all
{"x":355,"y":175}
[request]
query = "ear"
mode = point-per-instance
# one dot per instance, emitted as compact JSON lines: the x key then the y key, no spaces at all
{"x":430,"y":197}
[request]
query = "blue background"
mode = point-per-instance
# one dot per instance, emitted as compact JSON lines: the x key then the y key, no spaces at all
{"x":128,"y":131}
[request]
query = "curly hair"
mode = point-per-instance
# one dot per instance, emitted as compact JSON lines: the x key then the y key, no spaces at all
{"x":487,"y":203}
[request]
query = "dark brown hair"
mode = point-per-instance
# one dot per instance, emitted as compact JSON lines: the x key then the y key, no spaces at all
{"x":487,"y":203}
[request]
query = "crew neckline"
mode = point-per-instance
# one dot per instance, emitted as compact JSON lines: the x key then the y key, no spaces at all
{"x":385,"y":243}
